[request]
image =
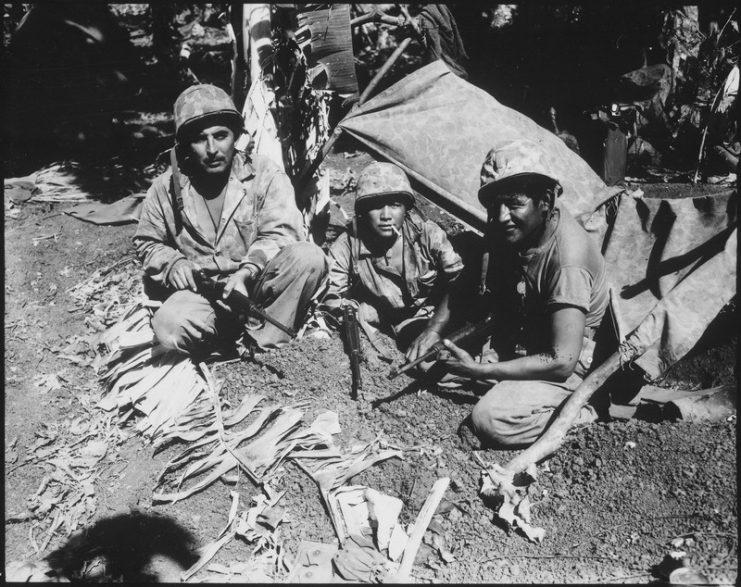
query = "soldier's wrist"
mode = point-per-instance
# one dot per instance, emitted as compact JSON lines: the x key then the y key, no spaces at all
{"x":250,"y":272}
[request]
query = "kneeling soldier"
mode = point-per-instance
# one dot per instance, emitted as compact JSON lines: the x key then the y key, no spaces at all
{"x":550,"y":294}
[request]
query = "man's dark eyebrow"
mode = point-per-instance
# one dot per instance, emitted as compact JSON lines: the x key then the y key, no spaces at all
{"x":509,"y":197}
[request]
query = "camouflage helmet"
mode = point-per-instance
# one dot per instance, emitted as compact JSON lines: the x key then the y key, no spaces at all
{"x":382,"y":179}
{"x":204,"y":101}
{"x":509,"y":162}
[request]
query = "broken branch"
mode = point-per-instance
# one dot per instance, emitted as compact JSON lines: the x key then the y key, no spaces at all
{"x":555,"y":435}
{"x":420,"y":527}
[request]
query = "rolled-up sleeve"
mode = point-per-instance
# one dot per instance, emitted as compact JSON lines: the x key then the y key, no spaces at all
{"x":339,"y":270}
{"x":279,"y":222}
{"x":570,"y":286}
{"x":448,"y":261}
{"x":153,"y":241}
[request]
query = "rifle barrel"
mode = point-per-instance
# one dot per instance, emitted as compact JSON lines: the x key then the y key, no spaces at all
{"x":352,"y":346}
{"x":454,"y":337}
{"x":428,"y":356}
{"x":213,"y":288}
{"x":246,"y":302}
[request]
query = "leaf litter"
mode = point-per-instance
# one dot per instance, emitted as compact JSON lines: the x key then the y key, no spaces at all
{"x":510,"y":494}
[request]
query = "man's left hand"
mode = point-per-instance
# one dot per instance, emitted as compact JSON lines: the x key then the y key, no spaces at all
{"x":460,"y":362}
{"x":422,"y":344}
{"x":238,"y":281}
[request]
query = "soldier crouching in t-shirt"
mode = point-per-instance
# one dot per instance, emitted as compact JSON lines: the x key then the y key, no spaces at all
{"x":549,"y":294}
{"x":396,"y":266}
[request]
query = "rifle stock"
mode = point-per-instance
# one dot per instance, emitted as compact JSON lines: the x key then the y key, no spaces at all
{"x":459,"y":335}
{"x":351,"y":337}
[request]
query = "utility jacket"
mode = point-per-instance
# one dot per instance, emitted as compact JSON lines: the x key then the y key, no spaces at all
{"x":430,"y":265}
{"x":258,"y":219}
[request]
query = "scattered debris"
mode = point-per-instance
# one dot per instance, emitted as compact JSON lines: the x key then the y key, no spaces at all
{"x":72,"y":453}
{"x":511,"y":493}
{"x":360,"y":561}
{"x":331,"y":473}
{"x":313,"y":563}
{"x":383,"y":513}
{"x":420,"y":527}
{"x":37,"y":239}
{"x":257,"y":525}
{"x":140,"y":378}
{"x":112,"y":292}
{"x":48,"y":383}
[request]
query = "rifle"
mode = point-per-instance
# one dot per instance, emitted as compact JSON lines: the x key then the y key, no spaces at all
{"x":351,"y":338}
{"x":213,"y":290}
{"x":459,"y":335}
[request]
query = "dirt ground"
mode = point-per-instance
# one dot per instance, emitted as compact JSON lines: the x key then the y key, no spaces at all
{"x":611,"y":501}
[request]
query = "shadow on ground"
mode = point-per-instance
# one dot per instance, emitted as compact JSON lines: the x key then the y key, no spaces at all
{"x":123,"y":548}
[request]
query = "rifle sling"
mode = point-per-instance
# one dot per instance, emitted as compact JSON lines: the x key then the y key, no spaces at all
{"x":177,"y":194}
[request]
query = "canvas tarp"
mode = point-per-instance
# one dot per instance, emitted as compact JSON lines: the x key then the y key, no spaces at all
{"x":672,"y":267}
{"x":671,"y":260}
{"x":438,"y":128}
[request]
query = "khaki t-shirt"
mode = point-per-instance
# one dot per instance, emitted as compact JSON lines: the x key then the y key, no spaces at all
{"x":567,"y":270}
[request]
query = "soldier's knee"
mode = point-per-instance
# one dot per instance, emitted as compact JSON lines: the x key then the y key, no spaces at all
{"x":310,"y":256}
{"x":493,"y":426}
{"x":167,"y":329}
{"x":482,"y":418}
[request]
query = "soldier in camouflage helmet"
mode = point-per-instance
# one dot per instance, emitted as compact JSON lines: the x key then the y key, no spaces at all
{"x":550,"y":294}
{"x":396,"y":265}
{"x":233,"y":218}
{"x":205,"y":101}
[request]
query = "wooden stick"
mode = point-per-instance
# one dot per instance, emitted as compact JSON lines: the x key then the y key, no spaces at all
{"x":420,"y":527}
{"x":555,"y":435}
{"x":311,"y":168}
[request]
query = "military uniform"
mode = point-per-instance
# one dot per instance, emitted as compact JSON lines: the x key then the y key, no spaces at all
{"x":391,"y":297}
{"x":431,"y":265}
{"x":260,"y":228}
{"x":565,"y":269}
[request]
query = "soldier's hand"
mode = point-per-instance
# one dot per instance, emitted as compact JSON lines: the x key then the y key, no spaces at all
{"x":422,"y":344}
{"x":181,"y":276}
{"x":459,"y":361}
{"x":239,"y":280}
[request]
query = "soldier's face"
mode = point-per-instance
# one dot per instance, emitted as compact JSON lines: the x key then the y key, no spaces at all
{"x":212,"y":150}
{"x":385,"y":219}
{"x":516,"y":217}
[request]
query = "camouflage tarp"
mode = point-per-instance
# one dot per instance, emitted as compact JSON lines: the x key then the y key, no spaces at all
{"x":438,"y":128}
{"x":672,"y":266}
{"x":671,"y":262}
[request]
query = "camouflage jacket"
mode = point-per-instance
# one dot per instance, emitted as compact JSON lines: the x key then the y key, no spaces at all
{"x":258,"y":219}
{"x":430,"y":266}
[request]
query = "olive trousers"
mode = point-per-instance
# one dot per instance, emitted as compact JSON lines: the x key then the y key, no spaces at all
{"x":186,"y":321}
{"x":514,"y":414}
